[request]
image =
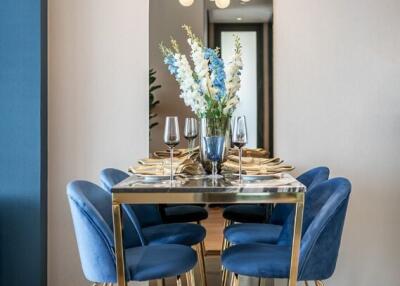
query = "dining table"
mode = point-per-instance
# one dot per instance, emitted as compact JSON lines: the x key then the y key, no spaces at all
{"x":201,"y":189}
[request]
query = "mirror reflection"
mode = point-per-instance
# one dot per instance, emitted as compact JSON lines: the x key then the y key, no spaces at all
{"x":216,"y":23}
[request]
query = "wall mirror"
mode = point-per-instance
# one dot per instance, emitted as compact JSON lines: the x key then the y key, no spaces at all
{"x":214,"y":21}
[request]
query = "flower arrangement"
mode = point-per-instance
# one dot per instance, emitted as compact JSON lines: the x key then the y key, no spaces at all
{"x":211,"y":87}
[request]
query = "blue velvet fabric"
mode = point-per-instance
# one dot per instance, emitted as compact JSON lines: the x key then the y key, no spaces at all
{"x":310,"y":179}
{"x":149,"y":215}
{"x":139,"y":224}
{"x":252,"y":233}
{"x":146,"y":214}
{"x":92,"y":219}
{"x":258,"y":213}
{"x":184,"y":213}
{"x":175,"y":233}
{"x":246,"y":213}
{"x":323,"y":226}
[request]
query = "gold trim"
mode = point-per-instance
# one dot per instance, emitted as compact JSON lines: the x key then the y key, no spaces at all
{"x":119,"y":247}
{"x":294,"y":260}
{"x":202,"y":264}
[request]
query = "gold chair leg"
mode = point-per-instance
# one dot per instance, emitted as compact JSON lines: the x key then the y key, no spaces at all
{"x":190,"y":281}
{"x":235,"y":279}
{"x":319,"y":283}
{"x":202,"y":264}
{"x":306,"y":283}
{"x":224,"y":276}
{"x":178,"y":280}
{"x":161,"y":282}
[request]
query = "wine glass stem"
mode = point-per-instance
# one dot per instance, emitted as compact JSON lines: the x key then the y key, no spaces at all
{"x":171,"y":150}
{"x":214,"y":169}
{"x":240,"y":164}
{"x":190,"y":147}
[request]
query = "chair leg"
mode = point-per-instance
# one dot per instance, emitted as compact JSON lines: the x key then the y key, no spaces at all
{"x":202,"y":264}
{"x":178,"y":280}
{"x":306,"y":283}
{"x":224,"y":241}
{"x":235,"y":279}
{"x":319,"y":283}
{"x":224,"y":276}
{"x":190,"y":281}
{"x":161,"y":282}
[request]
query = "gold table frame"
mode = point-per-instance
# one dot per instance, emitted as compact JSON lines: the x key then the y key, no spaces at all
{"x":128,"y":197}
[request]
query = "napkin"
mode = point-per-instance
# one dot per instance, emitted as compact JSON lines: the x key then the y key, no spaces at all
{"x":256,"y":165}
{"x":178,"y":153}
{"x":181,"y":165}
{"x":250,"y":152}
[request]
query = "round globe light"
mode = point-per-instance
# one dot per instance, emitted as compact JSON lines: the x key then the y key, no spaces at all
{"x":186,"y":3}
{"x":222,"y":4}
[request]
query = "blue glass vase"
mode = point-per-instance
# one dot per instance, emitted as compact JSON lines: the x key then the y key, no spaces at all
{"x":214,"y":142}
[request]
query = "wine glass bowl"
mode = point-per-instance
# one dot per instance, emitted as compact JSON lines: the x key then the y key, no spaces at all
{"x":191,"y":131}
{"x":171,"y":138}
{"x":239,"y":137}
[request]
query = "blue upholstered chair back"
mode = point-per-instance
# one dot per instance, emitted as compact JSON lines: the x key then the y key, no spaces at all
{"x":91,"y":215}
{"x":92,"y":218}
{"x":324,"y":214}
{"x":310,"y":179}
{"x":147,"y":215}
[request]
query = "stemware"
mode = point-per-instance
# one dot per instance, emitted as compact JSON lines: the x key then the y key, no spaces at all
{"x":171,"y":138}
{"x":190,"y":132}
{"x":239,"y":138}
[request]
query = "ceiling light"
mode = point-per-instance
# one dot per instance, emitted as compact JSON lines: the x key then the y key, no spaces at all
{"x":239,"y":18}
{"x":186,"y":3}
{"x":245,"y":0}
{"x":222,"y":4}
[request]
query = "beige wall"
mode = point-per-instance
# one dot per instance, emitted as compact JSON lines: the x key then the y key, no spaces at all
{"x":166,"y":19}
{"x":98,"y":107}
{"x":337,"y":98}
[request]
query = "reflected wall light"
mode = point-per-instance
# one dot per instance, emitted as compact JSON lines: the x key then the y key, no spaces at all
{"x":222,"y":3}
{"x":186,"y":3}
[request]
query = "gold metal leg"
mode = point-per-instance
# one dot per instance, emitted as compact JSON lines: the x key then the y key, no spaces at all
{"x":119,"y":248}
{"x":319,"y":283}
{"x":235,"y":279}
{"x":161,"y":282}
{"x":306,"y":283}
{"x":224,"y":276}
{"x":202,"y":264}
{"x":178,"y":281}
{"x":294,"y":261}
{"x":190,"y":281}
{"x":225,"y":242}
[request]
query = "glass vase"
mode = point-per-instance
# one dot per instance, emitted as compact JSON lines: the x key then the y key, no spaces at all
{"x":214,"y":130}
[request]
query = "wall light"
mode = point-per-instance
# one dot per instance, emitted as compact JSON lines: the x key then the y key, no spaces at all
{"x":222,"y":4}
{"x":186,"y":3}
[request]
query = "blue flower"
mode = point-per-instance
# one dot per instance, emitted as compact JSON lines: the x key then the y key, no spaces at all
{"x":172,"y":66}
{"x":216,"y":66}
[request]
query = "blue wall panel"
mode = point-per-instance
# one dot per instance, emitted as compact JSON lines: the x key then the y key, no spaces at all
{"x":23,"y":142}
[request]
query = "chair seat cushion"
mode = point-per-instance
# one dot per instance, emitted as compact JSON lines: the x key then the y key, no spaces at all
{"x":258,"y":260}
{"x":246,"y":213}
{"x":158,"y":261}
{"x":174,"y":233}
{"x":252,"y":233}
{"x":185,"y":213}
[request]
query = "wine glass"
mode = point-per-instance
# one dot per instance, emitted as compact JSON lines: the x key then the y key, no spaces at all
{"x":191,"y":132}
{"x":171,"y":137}
{"x":239,"y":138}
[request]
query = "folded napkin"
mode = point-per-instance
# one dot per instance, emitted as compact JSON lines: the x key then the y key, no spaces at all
{"x":256,"y":166}
{"x":178,"y":153}
{"x":250,"y":152}
{"x":180,"y":165}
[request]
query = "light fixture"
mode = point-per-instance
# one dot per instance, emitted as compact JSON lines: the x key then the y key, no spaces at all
{"x":186,"y":3}
{"x":222,"y":4}
{"x":239,"y":18}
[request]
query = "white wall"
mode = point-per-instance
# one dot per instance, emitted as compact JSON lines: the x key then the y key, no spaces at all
{"x":166,"y":20}
{"x":337,"y":99}
{"x":98,"y":107}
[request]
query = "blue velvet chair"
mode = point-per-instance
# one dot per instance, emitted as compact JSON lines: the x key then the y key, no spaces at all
{"x":149,"y":227}
{"x":269,"y":232}
{"x":92,"y":219}
{"x":258,"y":213}
{"x":323,"y":221}
{"x":148,"y":213}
